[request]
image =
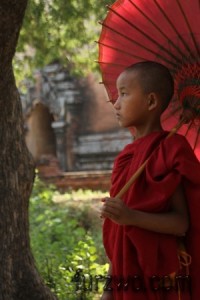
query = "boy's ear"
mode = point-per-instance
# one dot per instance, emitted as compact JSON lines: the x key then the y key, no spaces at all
{"x":153,"y":101}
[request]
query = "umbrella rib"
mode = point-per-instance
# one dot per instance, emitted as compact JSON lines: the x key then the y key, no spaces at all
{"x":135,"y":42}
{"x":170,"y":113}
{"x":144,"y":34}
{"x":107,"y":63}
{"x":188,"y":128}
{"x":196,"y":139}
{"x":158,"y":28}
{"x":119,"y":50}
{"x":188,"y":25}
{"x":174,"y":28}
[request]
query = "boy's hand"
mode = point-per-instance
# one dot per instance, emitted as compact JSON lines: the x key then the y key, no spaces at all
{"x":116,"y":210}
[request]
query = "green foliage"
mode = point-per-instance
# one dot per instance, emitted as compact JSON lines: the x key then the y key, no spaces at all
{"x":64,"y":238}
{"x":60,"y":29}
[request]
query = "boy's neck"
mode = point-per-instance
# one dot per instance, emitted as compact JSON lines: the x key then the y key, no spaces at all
{"x":143,"y":131}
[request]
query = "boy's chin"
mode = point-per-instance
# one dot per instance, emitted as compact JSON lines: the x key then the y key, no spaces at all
{"x":123,"y":124}
{"x":132,"y":130}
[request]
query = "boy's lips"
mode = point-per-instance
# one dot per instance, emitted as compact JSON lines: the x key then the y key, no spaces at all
{"x":118,"y":116}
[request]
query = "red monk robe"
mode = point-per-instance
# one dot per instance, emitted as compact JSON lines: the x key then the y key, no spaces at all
{"x":145,"y":254}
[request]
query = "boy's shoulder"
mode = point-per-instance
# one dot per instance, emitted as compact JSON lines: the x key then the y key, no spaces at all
{"x":177,"y":142}
{"x":177,"y":147}
{"x":172,"y":146}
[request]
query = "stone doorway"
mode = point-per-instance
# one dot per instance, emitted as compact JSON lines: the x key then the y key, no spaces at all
{"x":40,"y":137}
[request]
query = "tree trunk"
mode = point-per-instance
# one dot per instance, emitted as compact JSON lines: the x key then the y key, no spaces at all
{"x":19,"y":279}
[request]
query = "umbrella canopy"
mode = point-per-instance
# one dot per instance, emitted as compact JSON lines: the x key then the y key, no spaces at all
{"x":166,"y":31}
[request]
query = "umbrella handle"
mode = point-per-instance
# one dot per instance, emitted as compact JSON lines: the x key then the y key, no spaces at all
{"x":139,"y":171}
{"x":132,"y":180}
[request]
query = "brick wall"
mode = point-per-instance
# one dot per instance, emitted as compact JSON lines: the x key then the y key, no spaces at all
{"x":99,"y":180}
{"x":89,"y":138}
{"x":97,"y":114}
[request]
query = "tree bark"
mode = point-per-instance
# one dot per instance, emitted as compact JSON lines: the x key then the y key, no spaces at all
{"x":19,"y":279}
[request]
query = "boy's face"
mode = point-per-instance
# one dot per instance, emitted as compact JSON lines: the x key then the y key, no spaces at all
{"x":131,"y":106}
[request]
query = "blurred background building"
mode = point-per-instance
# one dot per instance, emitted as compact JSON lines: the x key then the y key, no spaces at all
{"x":70,"y":126}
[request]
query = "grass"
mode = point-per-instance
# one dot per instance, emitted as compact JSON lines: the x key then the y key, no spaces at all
{"x":66,"y":238}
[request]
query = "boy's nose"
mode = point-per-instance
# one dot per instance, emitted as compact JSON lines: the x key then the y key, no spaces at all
{"x":117,"y":103}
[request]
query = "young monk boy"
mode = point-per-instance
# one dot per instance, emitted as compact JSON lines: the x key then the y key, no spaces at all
{"x":152,"y":233}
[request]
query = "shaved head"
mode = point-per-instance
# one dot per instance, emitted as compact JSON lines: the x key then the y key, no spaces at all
{"x":154,"y":78}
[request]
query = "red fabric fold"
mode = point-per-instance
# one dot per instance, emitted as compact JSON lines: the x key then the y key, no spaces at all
{"x":138,"y":252}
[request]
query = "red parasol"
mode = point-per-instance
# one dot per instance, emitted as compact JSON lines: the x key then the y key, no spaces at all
{"x":158,"y":30}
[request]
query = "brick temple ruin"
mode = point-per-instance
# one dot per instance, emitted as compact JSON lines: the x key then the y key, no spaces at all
{"x":71,"y":128}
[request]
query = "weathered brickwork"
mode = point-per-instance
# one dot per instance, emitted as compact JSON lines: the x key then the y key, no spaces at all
{"x":70,"y":126}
